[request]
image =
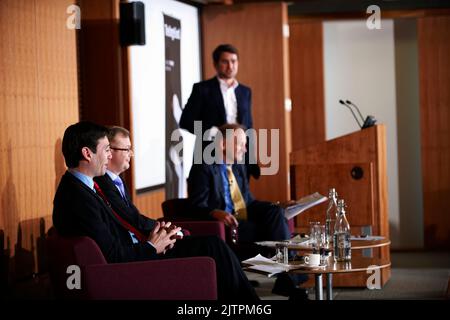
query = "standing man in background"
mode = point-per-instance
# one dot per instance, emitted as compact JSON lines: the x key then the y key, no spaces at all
{"x":220,"y":100}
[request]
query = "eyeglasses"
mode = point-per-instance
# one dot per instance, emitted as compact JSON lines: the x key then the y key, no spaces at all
{"x":127,"y":150}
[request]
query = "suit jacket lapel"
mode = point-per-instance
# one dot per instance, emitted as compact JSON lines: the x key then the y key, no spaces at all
{"x":217,"y":176}
{"x":219,"y":103}
{"x":238,"y":173}
{"x":240,"y":103}
{"x":112,"y":186}
{"x":127,"y":193}
{"x":108,"y":207}
{"x":91,"y":192}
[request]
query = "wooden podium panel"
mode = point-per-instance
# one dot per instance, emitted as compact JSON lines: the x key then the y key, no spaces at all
{"x":312,"y":178}
{"x":355,"y":165}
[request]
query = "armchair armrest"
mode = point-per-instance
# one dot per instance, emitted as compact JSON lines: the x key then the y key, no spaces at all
{"x":171,"y":279}
{"x":204,"y":228}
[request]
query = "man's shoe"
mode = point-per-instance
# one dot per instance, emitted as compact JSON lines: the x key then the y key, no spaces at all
{"x":283,"y":285}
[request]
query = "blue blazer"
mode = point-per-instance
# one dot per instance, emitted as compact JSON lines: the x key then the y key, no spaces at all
{"x":206,"y":104}
{"x":205,"y":188}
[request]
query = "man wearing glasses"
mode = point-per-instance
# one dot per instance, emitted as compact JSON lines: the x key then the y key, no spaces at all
{"x":113,"y":186}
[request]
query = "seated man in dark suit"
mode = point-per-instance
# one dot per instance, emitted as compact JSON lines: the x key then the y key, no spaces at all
{"x":82,"y":209}
{"x":221,"y":191}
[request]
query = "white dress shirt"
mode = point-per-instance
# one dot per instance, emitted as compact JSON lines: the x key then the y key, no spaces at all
{"x":229,"y":100}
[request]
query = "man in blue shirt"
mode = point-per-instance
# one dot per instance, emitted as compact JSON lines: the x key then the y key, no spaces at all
{"x":221,"y":191}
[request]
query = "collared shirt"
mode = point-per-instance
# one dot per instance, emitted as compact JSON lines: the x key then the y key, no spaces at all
{"x":229,"y":206}
{"x":88,"y":181}
{"x":229,"y":99}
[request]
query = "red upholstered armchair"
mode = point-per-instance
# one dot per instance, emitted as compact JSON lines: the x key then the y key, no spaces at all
{"x":179,"y":212}
{"x":172,"y":279}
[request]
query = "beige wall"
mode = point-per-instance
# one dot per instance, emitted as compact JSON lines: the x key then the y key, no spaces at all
{"x":410,"y":227}
{"x":359,"y":65}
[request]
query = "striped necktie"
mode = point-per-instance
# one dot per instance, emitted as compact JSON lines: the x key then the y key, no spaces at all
{"x":236,"y":196}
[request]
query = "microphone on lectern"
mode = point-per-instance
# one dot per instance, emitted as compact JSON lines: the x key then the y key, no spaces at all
{"x":370,"y":120}
{"x":354,"y":116}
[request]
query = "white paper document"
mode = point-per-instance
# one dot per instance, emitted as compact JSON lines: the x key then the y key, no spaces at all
{"x":269,"y":270}
{"x":270,"y":267}
{"x":295,"y":242}
{"x":267,"y":266}
{"x":303,"y":204}
{"x":259,"y":259}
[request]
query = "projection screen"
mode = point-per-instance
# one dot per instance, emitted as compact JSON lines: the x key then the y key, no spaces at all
{"x":148,"y":91}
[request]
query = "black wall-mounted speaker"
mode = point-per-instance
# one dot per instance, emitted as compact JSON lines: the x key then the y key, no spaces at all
{"x":132,"y":23}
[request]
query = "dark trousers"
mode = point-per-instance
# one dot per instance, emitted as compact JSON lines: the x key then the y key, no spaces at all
{"x":232,"y":283}
{"x":265,"y":221}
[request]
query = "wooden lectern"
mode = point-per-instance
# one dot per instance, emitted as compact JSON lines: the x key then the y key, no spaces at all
{"x":355,"y":165}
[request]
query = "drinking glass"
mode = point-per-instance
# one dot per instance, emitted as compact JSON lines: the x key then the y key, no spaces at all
{"x":282,"y":252}
{"x":313,"y":230}
{"x":321,"y":243}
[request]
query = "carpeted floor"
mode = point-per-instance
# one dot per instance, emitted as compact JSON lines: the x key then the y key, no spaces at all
{"x":414,"y":275}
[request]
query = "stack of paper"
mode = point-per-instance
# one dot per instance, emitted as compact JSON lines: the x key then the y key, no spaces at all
{"x":265,"y":265}
{"x":303,"y":204}
{"x":294,"y":243}
{"x":269,"y":266}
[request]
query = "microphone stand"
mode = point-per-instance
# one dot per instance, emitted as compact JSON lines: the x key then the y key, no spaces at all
{"x":370,"y":120}
{"x":354,"y":116}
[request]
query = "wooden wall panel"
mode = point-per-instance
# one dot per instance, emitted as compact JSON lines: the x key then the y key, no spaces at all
{"x":319,"y":177}
{"x":257,"y":31}
{"x":38,"y":100}
{"x":307,"y":84}
{"x":101,"y":83}
{"x":149,"y":203}
{"x":434,"y":69}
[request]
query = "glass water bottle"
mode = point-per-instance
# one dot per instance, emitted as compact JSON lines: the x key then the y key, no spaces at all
{"x":330,"y":215}
{"x":342,"y":246}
